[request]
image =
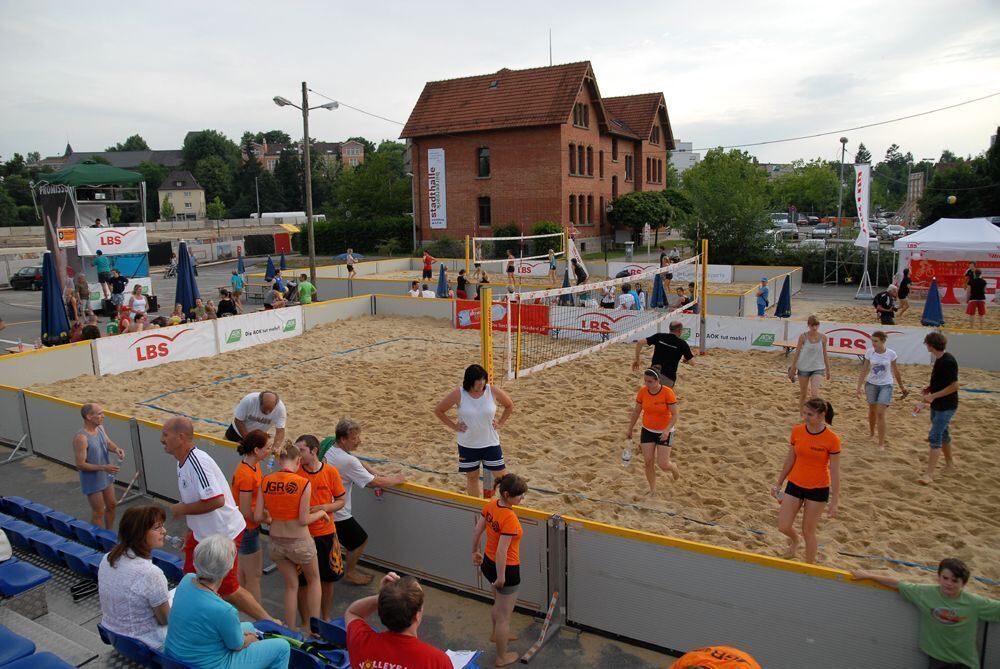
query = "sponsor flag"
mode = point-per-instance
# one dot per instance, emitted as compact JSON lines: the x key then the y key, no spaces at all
{"x":862,"y":182}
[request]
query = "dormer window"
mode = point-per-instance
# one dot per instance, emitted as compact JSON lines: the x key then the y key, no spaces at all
{"x":654,"y":136}
{"x":494,"y":84}
{"x":581,"y":115}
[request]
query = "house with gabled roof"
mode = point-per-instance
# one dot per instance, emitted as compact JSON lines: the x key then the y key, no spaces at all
{"x":523,"y":146}
{"x":184,"y":194}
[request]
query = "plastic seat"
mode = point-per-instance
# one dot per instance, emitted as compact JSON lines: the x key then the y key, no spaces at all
{"x":172,"y":565}
{"x":39,"y":661}
{"x":20,"y":533}
{"x":104,"y":633}
{"x":75,"y":557}
{"x":93,"y":562}
{"x":334,"y":631}
{"x":13,"y":646}
{"x":14,"y":505}
{"x":133,"y":649}
{"x":163,"y":661}
{"x":106,"y":538}
{"x":275,"y":628}
{"x":48,"y":544}
{"x":84,"y":533}
{"x":38,"y":514}
{"x":17,"y":577}
{"x":60,"y":523}
{"x":336,"y":659}
{"x":299,"y":660}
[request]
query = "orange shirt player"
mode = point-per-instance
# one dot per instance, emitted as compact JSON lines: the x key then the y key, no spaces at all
{"x":716,"y":657}
{"x":658,"y":405}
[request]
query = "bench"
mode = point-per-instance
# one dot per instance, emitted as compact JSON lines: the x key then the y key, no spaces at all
{"x":790,"y":346}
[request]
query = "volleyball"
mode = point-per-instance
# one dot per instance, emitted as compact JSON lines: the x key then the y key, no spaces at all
{"x":952,"y":199}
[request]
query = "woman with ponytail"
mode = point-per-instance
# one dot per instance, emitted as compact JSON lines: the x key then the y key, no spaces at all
{"x":254,"y":447}
{"x":812,"y":469}
{"x":501,"y":564}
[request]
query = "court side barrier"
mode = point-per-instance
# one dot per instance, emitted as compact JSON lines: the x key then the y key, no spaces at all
{"x":396,"y":305}
{"x":979,"y":349}
{"x":907,"y":342}
{"x":46,"y":365}
{"x":753,"y":273}
{"x":333,"y":288}
{"x":681,"y":595}
{"x":12,"y":422}
{"x":428,"y":533}
{"x":330,"y":311}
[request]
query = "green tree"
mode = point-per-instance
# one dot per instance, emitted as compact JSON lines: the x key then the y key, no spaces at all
{"x":15,"y":165}
{"x":99,"y":160}
{"x":215,"y":176}
{"x":18,"y":188}
{"x":863,"y":155}
{"x":166,"y":209}
{"x":969,"y":182}
{"x":812,"y":187}
{"x":154,"y":175}
{"x":273,"y":137}
{"x":115,"y":214}
{"x":216,"y":209}
{"x":728,"y":195}
{"x":27,"y":215}
{"x":133,"y":143}
{"x":34,"y":157}
{"x":8,"y":210}
{"x":636,"y":210}
{"x":290,"y":176}
{"x":206,"y":143}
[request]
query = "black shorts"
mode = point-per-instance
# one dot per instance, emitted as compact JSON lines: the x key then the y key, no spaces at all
{"x":512,"y":575}
{"x":350,"y":533}
{"x":811,"y":494}
{"x":104,"y":277}
{"x":232,"y":434}
{"x":350,"y":268}
{"x":331,"y":562}
{"x":510,"y":269}
{"x":428,"y":274}
{"x":648,"y":437}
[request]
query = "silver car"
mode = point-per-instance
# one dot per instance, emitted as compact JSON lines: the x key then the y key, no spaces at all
{"x":824,"y":231}
{"x":891,"y":232}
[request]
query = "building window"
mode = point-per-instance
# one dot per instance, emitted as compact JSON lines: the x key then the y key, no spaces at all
{"x":581,"y":115}
{"x":581,"y":203}
{"x":485,"y":212}
{"x":654,"y":137}
{"x":483,"y":169}
{"x":628,"y":167}
{"x":572,"y":158}
{"x":187,"y":193}
{"x":354,"y":162}
{"x":614,"y":186}
{"x":590,"y":210}
{"x":649,"y":169}
{"x":187,"y":205}
{"x":572,"y":208}
{"x":590,"y":161}
{"x":614,"y":149}
{"x":659,"y":171}
{"x":270,"y":164}
{"x":600,"y":162}
{"x":580,"y":165}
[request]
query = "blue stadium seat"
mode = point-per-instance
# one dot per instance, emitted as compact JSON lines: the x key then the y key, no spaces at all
{"x":275,"y":628}
{"x":336,"y":659}
{"x":20,"y":533}
{"x":172,"y":565}
{"x":60,"y":523}
{"x":75,"y":557}
{"x":13,"y":646}
{"x":163,"y":661}
{"x":14,"y":505}
{"x":93,"y":562}
{"x":299,"y":660}
{"x":17,"y":577}
{"x":133,"y":649}
{"x":48,"y":544}
{"x":38,"y":514}
{"x":84,"y":533}
{"x":104,"y":633}
{"x":39,"y":661}
{"x":334,"y":631}
{"x":106,"y":538}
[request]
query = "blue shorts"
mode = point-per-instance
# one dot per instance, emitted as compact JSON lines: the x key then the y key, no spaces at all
{"x":490,"y":456}
{"x":810,"y":372}
{"x":939,"y":433}
{"x":881,"y":394}
{"x":251,"y":541}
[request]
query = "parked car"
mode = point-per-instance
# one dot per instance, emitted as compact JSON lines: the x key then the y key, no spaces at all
{"x":813,"y":244}
{"x":891,"y":232}
{"x":778,"y":219}
{"x":27,"y":278}
{"x":813,"y":220}
{"x":824,"y":231}
{"x":788,"y":231}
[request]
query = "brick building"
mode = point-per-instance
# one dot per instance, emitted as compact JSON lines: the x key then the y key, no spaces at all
{"x":522,"y":146}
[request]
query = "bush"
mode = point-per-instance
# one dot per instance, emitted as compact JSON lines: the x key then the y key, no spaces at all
{"x":334,"y":237}
{"x":444,"y":247}
{"x":539,"y":247}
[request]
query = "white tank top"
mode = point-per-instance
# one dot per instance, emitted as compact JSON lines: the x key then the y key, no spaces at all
{"x":477,"y":414}
{"x":138,"y":305}
{"x":811,"y":356}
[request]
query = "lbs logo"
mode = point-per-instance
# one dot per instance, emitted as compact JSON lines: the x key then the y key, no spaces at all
{"x":154,"y":346}
{"x":596,"y":322}
{"x":113,"y":237}
{"x":851,"y":338}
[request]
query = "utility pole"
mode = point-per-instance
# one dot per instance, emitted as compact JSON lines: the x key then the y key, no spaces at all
{"x":309,"y":190}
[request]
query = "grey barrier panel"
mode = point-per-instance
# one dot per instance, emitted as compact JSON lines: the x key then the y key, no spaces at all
{"x":381,"y":287}
{"x":431,"y":537}
{"x":328,"y":312}
{"x":386,"y":305}
{"x":11,"y":427}
{"x":682,"y":599}
{"x":723,"y":305}
{"x":393,"y":264}
{"x":53,"y":424}
{"x":159,"y":467}
{"x":991,"y":651}
{"x":977,"y":350}
{"x":752,"y":273}
{"x":47,"y":365}
{"x":332,"y":289}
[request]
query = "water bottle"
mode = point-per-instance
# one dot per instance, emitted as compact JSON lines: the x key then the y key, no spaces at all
{"x":268,"y":465}
{"x":175,"y":542}
{"x":918,"y":407}
{"x":378,"y":494}
{"x":627,"y":453}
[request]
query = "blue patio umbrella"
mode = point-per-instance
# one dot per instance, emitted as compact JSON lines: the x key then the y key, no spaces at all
{"x":269,"y":272}
{"x":658,"y":299}
{"x":933,"y":313}
{"x":240,"y":267}
{"x":566,"y":300}
{"x":55,"y":323}
{"x":442,"y":287}
{"x":187,"y":287}
{"x":281,"y":262}
{"x":784,"y":307}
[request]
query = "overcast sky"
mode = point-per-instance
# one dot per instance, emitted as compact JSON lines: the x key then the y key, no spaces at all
{"x":732,"y":72}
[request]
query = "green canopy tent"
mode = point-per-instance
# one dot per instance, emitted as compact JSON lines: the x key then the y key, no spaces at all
{"x":91,"y":174}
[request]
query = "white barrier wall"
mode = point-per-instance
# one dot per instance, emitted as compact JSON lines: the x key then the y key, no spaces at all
{"x":11,"y":427}
{"x":716,"y":273}
{"x":141,"y":350}
{"x":907,"y":342}
{"x":392,"y":305}
{"x":319,"y":313}
{"x":47,"y":365}
{"x":259,"y":327}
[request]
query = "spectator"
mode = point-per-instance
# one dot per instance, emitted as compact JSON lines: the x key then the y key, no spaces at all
{"x":885,"y":305}
{"x":93,"y":448}
{"x":194,"y":260}
{"x":484,"y":282}
{"x":159,"y":322}
{"x":118,"y":285}
{"x":177,"y":315}
{"x":205,"y":631}
{"x":97,"y":223}
{"x":103,"y":266}
{"x":255,"y":448}
{"x":414,"y":289}
{"x":462,"y":285}
{"x":227,"y":306}
{"x":307,"y":291}
{"x":904,"y":292}
{"x":942,"y":396}
{"x":82,"y":292}
{"x":762,"y":294}
{"x":278,"y":283}
{"x":675,"y":255}
{"x":76,"y":331}
{"x":428,"y":267}
{"x":90,"y":332}
{"x":237,"y":284}
{"x":210,"y":311}
{"x":208,"y":508}
{"x":269,"y":294}
{"x":137,"y":303}
{"x":579,"y":272}
{"x":608,"y":298}
{"x":715,"y":657}
{"x":949,"y":616}
{"x":198,"y":311}
{"x":976,"y":299}
{"x":71,"y":301}
{"x":400,"y":605}
{"x":135,"y":601}
{"x":426,"y":292}
{"x":352,"y":472}
{"x":259,"y":411}
{"x":278,"y":300}
{"x":626,"y":299}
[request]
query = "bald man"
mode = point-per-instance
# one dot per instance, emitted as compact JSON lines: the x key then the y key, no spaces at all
{"x":208,"y":508}
{"x":259,"y":411}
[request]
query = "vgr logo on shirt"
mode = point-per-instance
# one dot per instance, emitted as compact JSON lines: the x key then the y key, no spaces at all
{"x":278,"y":487}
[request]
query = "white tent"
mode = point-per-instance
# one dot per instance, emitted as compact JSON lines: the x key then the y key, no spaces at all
{"x":964,"y":237}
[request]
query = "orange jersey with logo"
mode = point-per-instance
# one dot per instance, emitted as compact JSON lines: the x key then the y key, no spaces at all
{"x":655,"y":410}
{"x":811,"y":468}
{"x":501,"y":520}
{"x":282,"y":493}
{"x":326,"y":487}
{"x":247,"y":479}
{"x":716,"y":657}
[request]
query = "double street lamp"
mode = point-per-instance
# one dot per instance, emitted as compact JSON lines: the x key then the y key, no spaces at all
{"x":305,"y":108}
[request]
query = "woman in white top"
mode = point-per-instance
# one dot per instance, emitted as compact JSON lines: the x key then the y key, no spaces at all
{"x":626,"y":300}
{"x":877,"y":373}
{"x":608,"y":298}
{"x":135,"y":600}
{"x":477,"y":425}
{"x":810,"y":361}
{"x":137,"y":304}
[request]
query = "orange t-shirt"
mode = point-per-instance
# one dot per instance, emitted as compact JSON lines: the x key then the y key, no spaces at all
{"x":326,"y":487}
{"x":247,"y":479}
{"x":282,"y":494}
{"x":502,"y":520}
{"x":716,"y":657}
{"x":655,"y":409}
{"x":811,"y":468}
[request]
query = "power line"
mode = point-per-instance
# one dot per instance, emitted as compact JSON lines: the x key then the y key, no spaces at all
{"x":344,"y":104}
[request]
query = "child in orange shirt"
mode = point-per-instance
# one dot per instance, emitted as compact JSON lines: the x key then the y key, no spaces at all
{"x":658,"y":405}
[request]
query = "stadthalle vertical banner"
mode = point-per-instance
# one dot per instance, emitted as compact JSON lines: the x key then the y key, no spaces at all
{"x":862,"y":181}
{"x":437,"y":202}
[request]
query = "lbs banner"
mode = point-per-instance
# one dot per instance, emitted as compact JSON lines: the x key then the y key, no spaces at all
{"x":260,"y":327}
{"x":111,"y":241}
{"x":139,"y":350}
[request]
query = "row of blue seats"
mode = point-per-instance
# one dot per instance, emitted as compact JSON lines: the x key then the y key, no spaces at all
{"x":16,"y":652}
{"x":66,"y":547}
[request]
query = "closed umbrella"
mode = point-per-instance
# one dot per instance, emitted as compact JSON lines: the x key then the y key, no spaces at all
{"x":281,"y":262}
{"x":658,"y":299}
{"x":187,"y":287}
{"x":269,"y":272}
{"x":933,"y":313}
{"x":55,"y":323}
{"x":240,"y":267}
{"x":784,"y":307}
{"x":442,"y":287}
{"x":566,"y":300}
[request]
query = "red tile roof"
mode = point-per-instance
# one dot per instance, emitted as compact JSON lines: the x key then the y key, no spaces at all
{"x":637,"y":112}
{"x":504,"y":99}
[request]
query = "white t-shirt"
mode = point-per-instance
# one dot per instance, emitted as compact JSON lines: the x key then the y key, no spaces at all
{"x":880,"y":373}
{"x":249,"y":411}
{"x":428,"y":293}
{"x":414,"y":293}
{"x":626,"y":301}
{"x":129,"y":592}
{"x":198,"y":478}
{"x":351,"y":472}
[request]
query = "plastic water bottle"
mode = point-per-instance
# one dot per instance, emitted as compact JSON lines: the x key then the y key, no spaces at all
{"x":918,"y":407}
{"x":176,"y":542}
{"x":268,"y":465}
{"x":627,"y":453}
{"x":378,"y":494}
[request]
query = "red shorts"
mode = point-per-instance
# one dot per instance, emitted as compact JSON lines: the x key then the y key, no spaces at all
{"x":976,"y":307}
{"x":462,"y":295}
{"x":230,"y":583}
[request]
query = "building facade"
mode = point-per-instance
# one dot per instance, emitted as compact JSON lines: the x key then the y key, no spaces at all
{"x":184,"y":193}
{"x":683,"y":156}
{"x":523,"y":146}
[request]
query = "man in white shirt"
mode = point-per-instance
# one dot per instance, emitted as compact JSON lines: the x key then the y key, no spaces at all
{"x":208,"y":508}
{"x":426,"y":292}
{"x":259,"y":411}
{"x":352,"y":472}
{"x":414,"y":289}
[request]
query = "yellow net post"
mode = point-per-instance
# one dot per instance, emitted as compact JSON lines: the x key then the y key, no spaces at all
{"x":486,"y":329}
{"x":701,"y":298}
{"x":467,"y":270}
{"x":517,"y":359}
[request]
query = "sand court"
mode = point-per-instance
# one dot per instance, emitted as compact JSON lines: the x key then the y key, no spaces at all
{"x":566,"y":436}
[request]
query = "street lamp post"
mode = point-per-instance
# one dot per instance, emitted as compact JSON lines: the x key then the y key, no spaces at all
{"x":305,"y":108}
{"x":840,"y":202}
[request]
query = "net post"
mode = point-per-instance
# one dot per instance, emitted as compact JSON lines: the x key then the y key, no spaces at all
{"x":704,"y":292}
{"x":486,"y":330}
{"x":467,"y":270}
{"x":517,"y":360}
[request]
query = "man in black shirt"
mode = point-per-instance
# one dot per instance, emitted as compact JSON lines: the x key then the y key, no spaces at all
{"x":977,"y":299}
{"x":668,"y":350}
{"x":904,"y":292}
{"x":579,"y":272}
{"x":118,"y":284}
{"x":885,"y":305}
{"x":942,"y":396}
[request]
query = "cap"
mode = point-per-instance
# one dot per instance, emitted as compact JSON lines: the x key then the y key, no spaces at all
{"x":763,"y":278}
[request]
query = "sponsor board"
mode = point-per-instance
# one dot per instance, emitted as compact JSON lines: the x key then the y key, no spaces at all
{"x":66,"y":237}
{"x":531,"y":267}
{"x":716,"y":273}
{"x":740,"y":334}
{"x":950,"y":275}
{"x":534,"y":318}
{"x":260,"y":327}
{"x":598,"y":324}
{"x":907,"y":342}
{"x":111,"y":241}
{"x":437,"y":193}
{"x":139,"y":350}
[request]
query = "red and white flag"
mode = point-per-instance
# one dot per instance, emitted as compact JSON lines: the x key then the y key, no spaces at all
{"x":862,"y":181}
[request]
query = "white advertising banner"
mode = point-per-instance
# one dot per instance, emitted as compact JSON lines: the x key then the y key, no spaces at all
{"x":533,"y":268}
{"x":139,"y":350}
{"x":111,"y":241}
{"x":716,"y":273}
{"x":907,"y":342}
{"x":260,"y":327}
{"x":740,"y":334}
{"x":597,"y":324}
{"x":862,"y":183}
{"x":437,"y":201}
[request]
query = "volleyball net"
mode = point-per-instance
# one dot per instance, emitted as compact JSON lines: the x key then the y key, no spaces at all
{"x":529,"y":253}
